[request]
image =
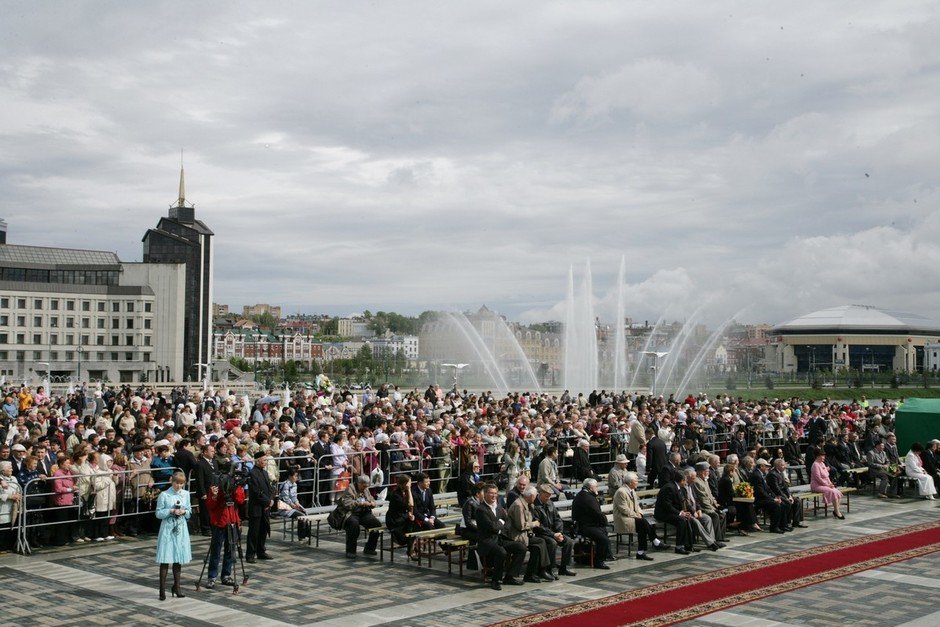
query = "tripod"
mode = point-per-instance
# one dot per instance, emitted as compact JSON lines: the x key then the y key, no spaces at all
{"x":232,"y":541}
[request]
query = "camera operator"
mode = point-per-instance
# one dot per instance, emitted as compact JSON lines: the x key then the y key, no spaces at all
{"x":260,"y":500}
{"x":223,"y":502}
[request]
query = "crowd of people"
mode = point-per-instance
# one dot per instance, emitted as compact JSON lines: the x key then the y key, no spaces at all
{"x":94,"y":464}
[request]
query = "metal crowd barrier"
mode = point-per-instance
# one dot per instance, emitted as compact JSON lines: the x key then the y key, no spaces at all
{"x":31,"y":519}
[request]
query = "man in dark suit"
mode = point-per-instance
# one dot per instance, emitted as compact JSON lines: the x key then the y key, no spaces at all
{"x":425,"y":509}
{"x":592,"y":523}
{"x":493,"y":547}
{"x":665,"y":474}
{"x":260,"y":500}
{"x":764,"y":499}
{"x":324,"y":464}
{"x":184,"y":459}
{"x":791,"y":450}
{"x":738,"y":445}
{"x":582,"y":461}
{"x":780,"y":487}
{"x":551,"y":529}
{"x":206,"y":470}
{"x":656,"y":457}
{"x":669,"y":510}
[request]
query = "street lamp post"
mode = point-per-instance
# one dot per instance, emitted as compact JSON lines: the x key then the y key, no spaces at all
{"x":656,"y":357}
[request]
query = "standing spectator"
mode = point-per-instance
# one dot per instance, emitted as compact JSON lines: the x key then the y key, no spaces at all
{"x":10,"y":498}
{"x":206,"y":470}
{"x":260,"y":500}
{"x":105,"y":495}
{"x":63,"y":502}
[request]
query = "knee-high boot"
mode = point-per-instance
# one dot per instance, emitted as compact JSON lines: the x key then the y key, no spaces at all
{"x":163,"y":570}
{"x":177,"y":590}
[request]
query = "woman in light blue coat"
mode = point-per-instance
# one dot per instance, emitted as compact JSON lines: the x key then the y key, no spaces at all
{"x":173,"y":546}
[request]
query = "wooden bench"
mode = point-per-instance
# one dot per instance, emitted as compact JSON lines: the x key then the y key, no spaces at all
{"x":426,"y":541}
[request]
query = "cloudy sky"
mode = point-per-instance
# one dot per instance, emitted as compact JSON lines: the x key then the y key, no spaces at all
{"x":406,"y":156}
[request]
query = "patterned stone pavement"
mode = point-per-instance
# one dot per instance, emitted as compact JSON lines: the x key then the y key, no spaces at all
{"x":116,"y":584}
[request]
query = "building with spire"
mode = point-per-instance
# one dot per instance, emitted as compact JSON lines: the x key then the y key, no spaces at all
{"x":181,"y":238}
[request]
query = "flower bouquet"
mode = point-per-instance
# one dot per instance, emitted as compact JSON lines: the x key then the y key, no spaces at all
{"x":744,"y":490}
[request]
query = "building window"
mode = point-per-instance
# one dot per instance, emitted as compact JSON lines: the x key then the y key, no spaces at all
{"x":101,"y":307}
{"x":69,"y":355}
{"x":54,"y":322}
{"x":37,"y":338}
{"x":146,"y":356}
{"x":99,"y":341}
{"x":3,"y":338}
{"x":4,"y":356}
{"x":116,"y":324}
{"x":37,"y":303}
{"x":99,"y":356}
{"x":128,"y":340}
{"x":21,"y":303}
{"x":114,"y":356}
{"x":70,"y":305}
{"x":54,"y":304}
{"x":130,"y":307}
{"x":37,"y":321}
{"x":20,"y":338}
{"x":37,"y":355}
{"x":53,"y":338}
{"x":130,"y":323}
{"x":21,"y":321}
{"x":84,"y":340}
{"x":5,"y":303}
{"x":147,"y":323}
{"x":4,"y":320}
{"x":115,"y":307}
{"x":54,"y":356}
{"x":148,"y":307}
{"x":69,"y":322}
{"x":146,"y":340}
{"x":129,"y":356}
{"x":86,"y":323}
{"x":86,"y":305}
{"x":70,"y":339}
{"x":115,"y":340}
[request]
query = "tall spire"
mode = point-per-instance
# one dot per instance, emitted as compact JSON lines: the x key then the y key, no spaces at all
{"x":182,"y":199}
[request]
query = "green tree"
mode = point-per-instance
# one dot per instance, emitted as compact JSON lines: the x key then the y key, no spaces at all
{"x":266,"y":320}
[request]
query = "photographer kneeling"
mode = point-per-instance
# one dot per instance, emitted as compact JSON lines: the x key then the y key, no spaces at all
{"x":223,"y":502}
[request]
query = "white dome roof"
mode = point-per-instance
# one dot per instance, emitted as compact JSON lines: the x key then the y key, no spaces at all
{"x":860,"y":319}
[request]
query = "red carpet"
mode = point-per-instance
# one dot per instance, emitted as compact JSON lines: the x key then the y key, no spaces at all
{"x":682,"y":599}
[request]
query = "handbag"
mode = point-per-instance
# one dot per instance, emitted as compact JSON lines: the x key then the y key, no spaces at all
{"x":342,"y":482}
{"x":336,"y":519}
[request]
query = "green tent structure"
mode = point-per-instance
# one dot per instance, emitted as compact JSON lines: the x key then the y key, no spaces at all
{"x":918,"y":420}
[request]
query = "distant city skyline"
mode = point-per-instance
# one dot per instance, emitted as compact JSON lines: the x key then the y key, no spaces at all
{"x":765,"y":160}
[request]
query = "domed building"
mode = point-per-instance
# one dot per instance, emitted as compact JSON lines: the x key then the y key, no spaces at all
{"x":858,"y":337}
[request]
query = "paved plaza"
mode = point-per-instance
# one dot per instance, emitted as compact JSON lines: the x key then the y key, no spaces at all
{"x":116,"y":584}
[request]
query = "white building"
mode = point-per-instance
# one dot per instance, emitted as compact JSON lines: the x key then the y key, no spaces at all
{"x":354,"y":327}
{"x":407,"y":344}
{"x":932,"y":356}
{"x":85,"y":315}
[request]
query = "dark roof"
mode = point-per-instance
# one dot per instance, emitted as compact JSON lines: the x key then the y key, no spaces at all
{"x":13,"y":255}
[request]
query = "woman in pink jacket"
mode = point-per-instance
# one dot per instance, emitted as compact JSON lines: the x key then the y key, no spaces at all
{"x":819,"y":482}
{"x":63,"y":499}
